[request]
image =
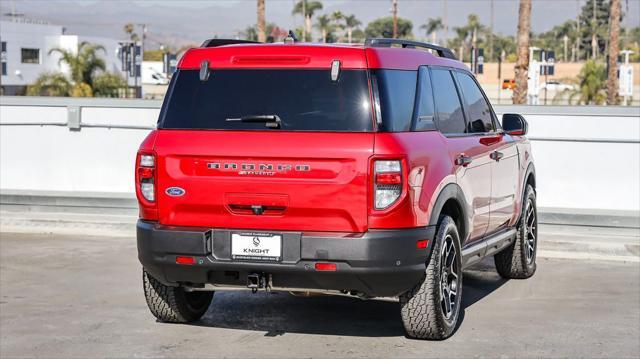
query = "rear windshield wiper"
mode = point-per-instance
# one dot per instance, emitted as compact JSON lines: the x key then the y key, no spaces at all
{"x":271,"y":121}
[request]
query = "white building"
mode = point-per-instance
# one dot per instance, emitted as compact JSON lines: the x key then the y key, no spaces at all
{"x":25,"y":52}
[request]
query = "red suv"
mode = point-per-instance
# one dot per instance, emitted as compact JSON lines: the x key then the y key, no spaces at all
{"x":370,"y":171}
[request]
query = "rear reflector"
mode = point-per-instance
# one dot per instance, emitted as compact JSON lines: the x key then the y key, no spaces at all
{"x":422,"y":244}
{"x":145,"y":172}
{"x":330,"y":267}
{"x":185,"y":260}
{"x":389,"y":178}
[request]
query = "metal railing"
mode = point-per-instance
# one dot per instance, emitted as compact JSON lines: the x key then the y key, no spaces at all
{"x":75,"y":105}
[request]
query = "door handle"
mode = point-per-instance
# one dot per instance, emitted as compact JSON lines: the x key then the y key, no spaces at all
{"x":496,"y":156}
{"x":463,"y":160}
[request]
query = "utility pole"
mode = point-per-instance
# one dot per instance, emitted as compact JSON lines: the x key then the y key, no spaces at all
{"x":395,"y":18}
{"x":138,"y":61}
{"x":566,"y":42}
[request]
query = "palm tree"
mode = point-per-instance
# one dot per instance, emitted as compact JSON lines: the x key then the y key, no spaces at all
{"x":50,"y":84}
{"x":614,"y":28}
{"x":83,"y":80}
{"x":432,"y":26}
{"x":310,"y":7}
{"x":351,"y":22}
{"x":262,"y":36}
{"x":337,"y":17}
{"x":129,"y":30}
{"x":592,"y":82}
{"x":325,"y":25}
{"x":82,"y":64}
{"x":522,"y":64}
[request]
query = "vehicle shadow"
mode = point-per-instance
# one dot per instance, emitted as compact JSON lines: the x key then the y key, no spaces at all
{"x":277,"y":313}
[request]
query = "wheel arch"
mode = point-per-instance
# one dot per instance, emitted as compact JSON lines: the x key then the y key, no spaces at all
{"x":529,"y":177}
{"x":451,"y":202}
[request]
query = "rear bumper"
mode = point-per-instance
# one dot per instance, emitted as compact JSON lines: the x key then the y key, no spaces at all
{"x":375,"y":263}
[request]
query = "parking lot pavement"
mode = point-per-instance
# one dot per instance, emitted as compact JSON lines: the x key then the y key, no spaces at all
{"x":77,"y":296}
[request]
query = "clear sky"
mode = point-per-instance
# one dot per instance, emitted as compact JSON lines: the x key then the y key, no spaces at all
{"x":194,"y":20}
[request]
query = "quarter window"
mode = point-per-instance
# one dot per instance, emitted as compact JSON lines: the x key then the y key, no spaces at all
{"x":480,"y":116}
{"x":397,"y":92}
{"x":425,"y":107}
{"x":449,"y":115}
{"x":30,"y":56}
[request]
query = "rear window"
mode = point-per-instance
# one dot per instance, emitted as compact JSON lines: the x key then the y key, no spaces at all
{"x":304,"y":100}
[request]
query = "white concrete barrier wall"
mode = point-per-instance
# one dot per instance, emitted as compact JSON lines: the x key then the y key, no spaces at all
{"x":586,"y":157}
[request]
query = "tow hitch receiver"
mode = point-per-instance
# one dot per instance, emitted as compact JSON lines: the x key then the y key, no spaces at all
{"x":255,"y":281}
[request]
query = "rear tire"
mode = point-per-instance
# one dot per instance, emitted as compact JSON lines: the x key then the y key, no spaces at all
{"x":518,"y":261}
{"x":174,"y":304}
{"x":424,"y":308}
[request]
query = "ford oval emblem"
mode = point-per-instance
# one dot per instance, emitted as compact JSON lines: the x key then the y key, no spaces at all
{"x":175,"y":191}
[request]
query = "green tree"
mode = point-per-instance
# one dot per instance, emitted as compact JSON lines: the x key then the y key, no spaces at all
{"x":324,"y":23}
{"x":592,"y":84}
{"x":85,"y":67}
{"x":129,"y":29}
{"x":594,"y":31}
{"x":630,"y":40}
{"x":471,"y":34}
{"x":358,"y":36}
{"x":50,"y":84}
{"x":108,"y":84}
{"x":431,"y":27}
{"x":383,"y":27}
{"x":310,"y":8}
{"x":506,"y":44}
{"x":83,"y":63}
{"x":351,"y":23}
{"x":153,"y":55}
{"x":251,"y":32}
{"x":554,"y":39}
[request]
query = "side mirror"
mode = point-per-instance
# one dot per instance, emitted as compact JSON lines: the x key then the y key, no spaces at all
{"x":514,"y":124}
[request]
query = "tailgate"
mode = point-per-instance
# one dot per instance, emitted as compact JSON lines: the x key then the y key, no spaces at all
{"x":300,"y":181}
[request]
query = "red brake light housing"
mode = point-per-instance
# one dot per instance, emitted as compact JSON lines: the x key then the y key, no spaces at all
{"x":146,"y":191}
{"x":388,"y":182}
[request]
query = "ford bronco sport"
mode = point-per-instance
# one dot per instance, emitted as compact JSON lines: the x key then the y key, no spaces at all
{"x":375,"y":170}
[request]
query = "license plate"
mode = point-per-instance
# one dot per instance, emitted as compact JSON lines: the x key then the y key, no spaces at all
{"x":256,"y":246}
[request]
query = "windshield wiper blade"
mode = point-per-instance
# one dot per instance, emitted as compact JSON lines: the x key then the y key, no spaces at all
{"x":271,"y":121}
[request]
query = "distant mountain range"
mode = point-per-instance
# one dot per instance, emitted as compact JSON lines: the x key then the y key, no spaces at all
{"x":178,"y":23}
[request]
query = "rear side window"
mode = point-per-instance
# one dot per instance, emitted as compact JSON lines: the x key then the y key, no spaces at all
{"x":425,"y":119}
{"x":479,"y":111}
{"x":396,"y":90}
{"x":449,"y":115}
{"x":304,"y":100}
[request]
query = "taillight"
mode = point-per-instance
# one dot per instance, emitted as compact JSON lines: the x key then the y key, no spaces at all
{"x":146,"y":176}
{"x":387,"y":182}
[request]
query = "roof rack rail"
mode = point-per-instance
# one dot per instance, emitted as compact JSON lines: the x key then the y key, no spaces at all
{"x":222,"y":42}
{"x":386,"y":42}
